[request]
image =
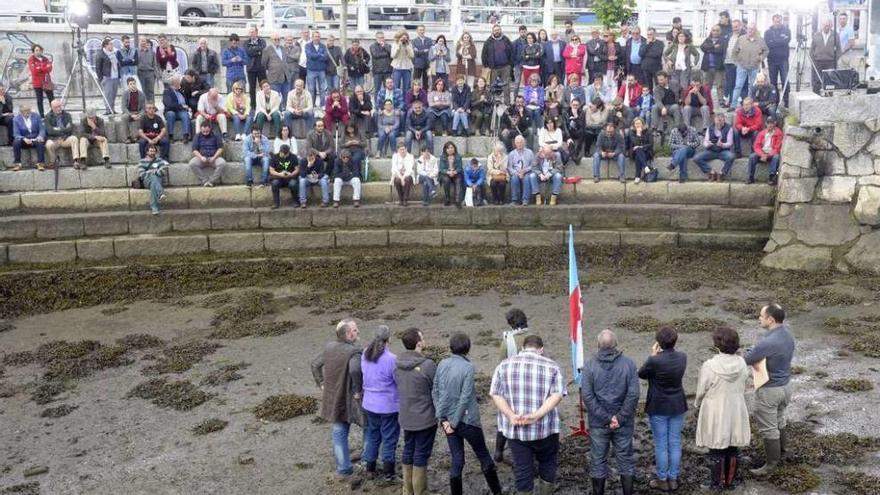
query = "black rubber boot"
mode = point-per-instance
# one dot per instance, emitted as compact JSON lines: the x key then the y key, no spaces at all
{"x":493,"y":482}
{"x":626,"y":484}
{"x":731,"y":467}
{"x":500,"y":442}
{"x":772,"y":450}
{"x":716,"y":470}
{"x":389,"y":476}
{"x":455,"y":486}
{"x":370,"y":470}
{"x":598,"y":486}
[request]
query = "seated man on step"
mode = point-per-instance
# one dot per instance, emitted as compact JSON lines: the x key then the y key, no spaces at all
{"x":207,"y":156}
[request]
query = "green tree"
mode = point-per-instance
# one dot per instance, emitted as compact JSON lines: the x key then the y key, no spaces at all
{"x":611,"y":13}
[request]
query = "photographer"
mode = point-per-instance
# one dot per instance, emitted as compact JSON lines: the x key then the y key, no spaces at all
{"x":718,"y":143}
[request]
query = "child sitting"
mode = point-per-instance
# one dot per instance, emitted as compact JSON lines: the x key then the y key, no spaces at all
{"x":646,"y":103}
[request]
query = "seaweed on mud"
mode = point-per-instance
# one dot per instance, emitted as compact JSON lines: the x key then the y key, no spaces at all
{"x":62,"y":349}
{"x":859,"y":483}
{"x":634,"y":303}
{"x":285,"y":406}
{"x":649,"y":324}
{"x":210,"y":425}
{"x":868,"y":344}
{"x":259,"y":328}
{"x":367,"y":314}
{"x":225,"y":374}
{"x":139,"y":341}
{"x":447,"y":305}
{"x":303,"y":465}
{"x":178,"y":395}
{"x":830,"y":297}
{"x":821,"y":374}
{"x":29,"y":488}
{"x":797,"y":370}
{"x":505,"y":304}
{"x":8,"y":390}
{"x":246,"y":307}
{"x":57,"y":412}
{"x":113,"y":310}
{"x":473,"y":317}
{"x":686,"y":284}
{"x":850,"y":385}
{"x":181,"y":357}
{"x":430,"y":314}
{"x":805,"y":446}
{"x":45,"y":392}
{"x":22,"y":358}
{"x":794,"y":479}
{"x":487,"y":338}
{"x":6,"y":326}
{"x":435,"y":353}
{"x":746,"y":309}
{"x":482,"y":384}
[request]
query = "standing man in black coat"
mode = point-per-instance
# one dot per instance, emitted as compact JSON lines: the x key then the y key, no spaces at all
{"x":652,"y":55}
{"x":497,"y":55}
{"x":380,"y":52}
{"x":666,"y":406}
{"x":596,"y":54}
{"x":255,"y":70}
{"x":714,"y":48}
{"x":778,"y":37}
{"x":633,"y":55}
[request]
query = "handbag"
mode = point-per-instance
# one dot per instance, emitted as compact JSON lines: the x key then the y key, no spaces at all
{"x":48,"y":85}
{"x":469,"y":197}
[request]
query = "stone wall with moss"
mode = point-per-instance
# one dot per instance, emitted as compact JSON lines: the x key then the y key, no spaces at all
{"x":828,"y":203}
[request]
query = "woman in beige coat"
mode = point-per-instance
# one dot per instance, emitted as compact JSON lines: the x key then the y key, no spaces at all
{"x":402,"y":55}
{"x":723,"y":421}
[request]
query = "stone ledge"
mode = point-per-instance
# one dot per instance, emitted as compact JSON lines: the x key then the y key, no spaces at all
{"x":245,"y":242}
{"x":126,"y":247}
{"x":44,"y":252}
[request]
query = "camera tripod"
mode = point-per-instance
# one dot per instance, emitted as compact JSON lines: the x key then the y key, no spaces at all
{"x":80,"y":68}
{"x":802,"y":58}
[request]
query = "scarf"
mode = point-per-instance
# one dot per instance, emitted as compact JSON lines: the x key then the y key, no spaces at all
{"x":114,"y":64}
{"x":510,"y":341}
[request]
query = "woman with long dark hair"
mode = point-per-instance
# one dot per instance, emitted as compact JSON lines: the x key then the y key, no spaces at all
{"x":381,"y":404}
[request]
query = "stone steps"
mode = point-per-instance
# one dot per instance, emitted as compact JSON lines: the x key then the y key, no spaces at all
{"x":609,"y":192}
{"x":129,"y":246}
{"x":684,"y":218}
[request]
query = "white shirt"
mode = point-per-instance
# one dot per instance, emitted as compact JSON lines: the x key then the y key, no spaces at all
{"x":27,"y":122}
{"x":680,"y":59}
{"x":276,"y":145}
{"x":401,"y":166}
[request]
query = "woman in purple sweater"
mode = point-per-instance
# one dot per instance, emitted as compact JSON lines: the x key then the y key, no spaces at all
{"x":380,"y":404}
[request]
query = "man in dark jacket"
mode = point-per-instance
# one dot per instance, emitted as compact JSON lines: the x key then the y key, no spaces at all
{"x":651,"y":52}
{"x":357,"y":64}
{"x":632,"y":53}
{"x":418,"y":126}
{"x":254,"y":47}
{"x":596,"y":60}
{"x":778,"y":37}
{"x":206,"y":62}
{"x":519,"y":48}
{"x":415,"y":380}
{"x":553,"y":62}
{"x":609,"y":146}
{"x":421,"y":54}
{"x":713,"y":49}
{"x":337,"y":370}
{"x":380,"y":52}
{"x":610,"y":389}
{"x":776,"y":348}
{"x":665,"y":102}
{"x":107,"y":68}
{"x":497,"y":55}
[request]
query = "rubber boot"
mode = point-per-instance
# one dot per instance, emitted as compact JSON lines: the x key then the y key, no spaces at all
{"x":731,"y":463}
{"x":408,"y":481}
{"x":419,"y":481}
{"x":626,"y":484}
{"x":500,"y":442}
{"x":783,"y":441}
{"x":544,"y":487}
{"x":716,"y":470}
{"x":455,"y":486}
{"x":598,"y":486}
{"x":772,"y":450}
{"x":493,"y":482}
{"x":389,"y":475}
{"x":370,"y":470}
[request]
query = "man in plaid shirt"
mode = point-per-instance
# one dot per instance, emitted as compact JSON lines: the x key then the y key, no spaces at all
{"x":526,"y":389}
{"x":683,"y":141}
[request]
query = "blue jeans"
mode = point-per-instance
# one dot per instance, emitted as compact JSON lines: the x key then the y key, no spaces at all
{"x":381,"y":429}
{"x":316,"y":83}
{"x":340,"y":448}
{"x":171,"y":119}
{"x":378,"y":82}
{"x":308,"y":117}
{"x":474,"y":437}
{"x":356,"y":81}
{"x":753,"y":165}
{"x":333,"y":82}
{"x":737,"y":140}
{"x":429,"y":185}
{"x":387,"y":139}
{"x":282,"y":89}
{"x":417,"y":446}
{"x":305,"y":185}
{"x":444,"y":115}
{"x":241,"y":126}
{"x":702,"y":160}
{"x":154,"y":183}
{"x":667,"y":444}
{"x":520,"y":189}
{"x":402,"y":79}
{"x":249,"y":173}
{"x":743,"y":76}
{"x":460,"y":119}
{"x":555,"y":179}
{"x":600,"y":442}
{"x":680,"y":158}
{"x":537,"y":116}
{"x":597,"y":163}
{"x":428,"y":136}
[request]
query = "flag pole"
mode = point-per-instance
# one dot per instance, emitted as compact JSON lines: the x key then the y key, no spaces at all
{"x":576,"y":327}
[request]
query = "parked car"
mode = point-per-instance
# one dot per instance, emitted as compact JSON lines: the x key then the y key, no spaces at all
{"x":291,"y":17}
{"x":189,"y":11}
{"x":24,"y":10}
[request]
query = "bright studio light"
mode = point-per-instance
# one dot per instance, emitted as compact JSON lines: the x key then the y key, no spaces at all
{"x":78,"y":13}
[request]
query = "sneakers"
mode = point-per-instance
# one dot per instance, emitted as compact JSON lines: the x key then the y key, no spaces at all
{"x":107,"y":162}
{"x":274,"y":206}
{"x":40,"y":167}
{"x":553,"y":200}
{"x":622,"y":180}
{"x":209,"y":184}
{"x":638,"y":180}
{"x":155,"y":211}
{"x":539,"y":201}
{"x":162,"y":197}
{"x":17,"y":167}
{"x":357,"y":204}
{"x":596,"y":180}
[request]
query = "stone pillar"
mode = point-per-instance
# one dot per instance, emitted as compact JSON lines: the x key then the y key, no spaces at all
{"x":455,"y":26}
{"x":172,"y":14}
{"x":548,"y":15}
{"x":268,"y":15}
{"x":363,"y":17}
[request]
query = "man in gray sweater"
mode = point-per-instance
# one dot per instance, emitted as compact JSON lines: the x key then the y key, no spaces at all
{"x":415,"y":378}
{"x":777,"y":347}
{"x":824,"y":49}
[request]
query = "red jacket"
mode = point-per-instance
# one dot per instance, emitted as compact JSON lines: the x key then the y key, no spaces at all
{"x":574,"y":59}
{"x":775,"y":142}
{"x":635,"y":91}
{"x":333,"y":115}
{"x":40,"y":69}
{"x":753,"y":123}
{"x":707,"y":94}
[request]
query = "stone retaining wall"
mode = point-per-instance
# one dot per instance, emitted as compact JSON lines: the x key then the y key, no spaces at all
{"x":828,"y":206}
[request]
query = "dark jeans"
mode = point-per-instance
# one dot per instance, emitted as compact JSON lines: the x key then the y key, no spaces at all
{"x":545,"y":451}
{"x":778,"y":75}
{"x":253,"y":79}
{"x":773,"y":161}
{"x":19,"y":144}
{"x":642,"y":159}
{"x":702,"y":160}
{"x":601,"y":440}
{"x":41,"y":93}
{"x":292,"y":184}
{"x":474,"y":436}
{"x":452,"y":190}
{"x":7,"y":121}
{"x":164,"y":148}
{"x":737,"y":140}
{"x":381,"y":429}
{"x":417,"y":446}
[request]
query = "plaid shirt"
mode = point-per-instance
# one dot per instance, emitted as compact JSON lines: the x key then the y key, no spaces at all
{"x":676,"y":140}
{"x":525,"y":381}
